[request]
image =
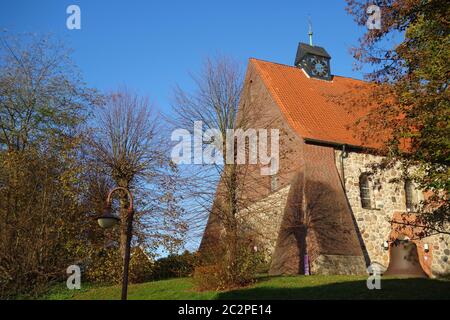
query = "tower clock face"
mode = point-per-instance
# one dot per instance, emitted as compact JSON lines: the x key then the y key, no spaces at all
{"x":318,"y":66}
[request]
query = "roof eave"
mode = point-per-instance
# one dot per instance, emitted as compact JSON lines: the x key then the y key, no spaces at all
{"x":337,"y":144}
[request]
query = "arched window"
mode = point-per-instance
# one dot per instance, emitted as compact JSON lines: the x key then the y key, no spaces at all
{"x":410,"y":195}
{"x":364,"y":191}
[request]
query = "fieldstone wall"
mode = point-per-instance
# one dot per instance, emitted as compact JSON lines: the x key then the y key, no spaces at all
{"x":263,"y":218}
{"x":334,"y":264}
{"x":441,"y":251}
{"x":387,"y":198}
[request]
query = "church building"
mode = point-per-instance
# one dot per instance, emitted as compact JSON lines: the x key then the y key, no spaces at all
{"x":324,"y":212}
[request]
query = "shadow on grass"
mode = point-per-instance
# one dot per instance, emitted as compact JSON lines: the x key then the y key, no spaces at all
{"x":390,"y":289}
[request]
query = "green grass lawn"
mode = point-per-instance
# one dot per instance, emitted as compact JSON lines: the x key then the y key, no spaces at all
{"x":284,"y":288}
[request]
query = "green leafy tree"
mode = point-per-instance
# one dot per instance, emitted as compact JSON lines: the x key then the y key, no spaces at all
{"x":43,"y":214}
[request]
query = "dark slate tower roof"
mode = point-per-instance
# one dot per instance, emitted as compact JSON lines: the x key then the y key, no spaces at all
{"x":304,"y":49}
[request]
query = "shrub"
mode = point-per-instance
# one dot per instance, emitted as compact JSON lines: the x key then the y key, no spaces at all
{"x":174,"y":266}
{"x":107,"y":267}
{"x":42,"y":222}
{"x":141,"y":266}
{"x":208,"y":277}
{"x":216,"y":272}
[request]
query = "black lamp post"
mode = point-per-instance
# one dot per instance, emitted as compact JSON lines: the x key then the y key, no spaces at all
{"x":108,"y":220}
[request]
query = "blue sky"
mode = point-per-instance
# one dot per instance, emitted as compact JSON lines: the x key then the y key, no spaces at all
{"x":152,"y":45}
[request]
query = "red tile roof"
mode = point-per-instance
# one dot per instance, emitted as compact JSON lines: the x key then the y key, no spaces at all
{"x":315,"y":109}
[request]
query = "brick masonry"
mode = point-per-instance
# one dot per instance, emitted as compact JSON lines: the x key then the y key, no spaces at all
{"x":317,"y":221}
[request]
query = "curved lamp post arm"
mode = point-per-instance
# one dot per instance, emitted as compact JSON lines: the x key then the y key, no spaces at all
{"x":129,"y":228}
{"x":130,"y":197}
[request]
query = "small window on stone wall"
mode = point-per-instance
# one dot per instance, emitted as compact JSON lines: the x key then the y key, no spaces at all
{"x":411,"y":196}
{"x":364,"y":191}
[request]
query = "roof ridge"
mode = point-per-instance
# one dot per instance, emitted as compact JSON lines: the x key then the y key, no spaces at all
{"x":281,"y":64}
{"x":308,"y":106}
{"x":289,"y":66}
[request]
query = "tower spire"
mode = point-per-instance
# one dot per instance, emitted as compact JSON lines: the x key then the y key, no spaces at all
{"x":310,"y":32}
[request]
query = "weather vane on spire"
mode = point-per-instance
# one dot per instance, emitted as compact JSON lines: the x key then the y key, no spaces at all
{"x":310,"y":33}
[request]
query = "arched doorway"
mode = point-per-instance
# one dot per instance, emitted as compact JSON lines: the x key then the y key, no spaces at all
{"x":404,"y":259}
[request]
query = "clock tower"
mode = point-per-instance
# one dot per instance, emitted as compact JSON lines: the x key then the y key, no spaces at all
{"x":314,"y":60}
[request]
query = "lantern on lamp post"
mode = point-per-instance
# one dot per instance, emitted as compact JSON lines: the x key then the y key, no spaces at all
{"x":108,"y":220}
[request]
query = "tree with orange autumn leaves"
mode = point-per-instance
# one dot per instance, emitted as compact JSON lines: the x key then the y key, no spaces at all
{"x":410,"y":89}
